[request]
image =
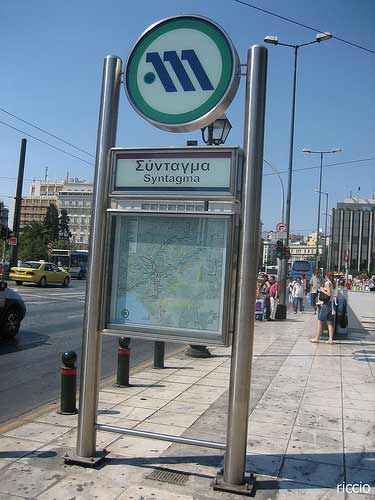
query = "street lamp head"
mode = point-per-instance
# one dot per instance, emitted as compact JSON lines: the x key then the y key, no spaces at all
{"x":306,"y":150}
{"x":320,"y":37}
{"x":271,"y":39}
{"x":337,"y":150}
{"x":217,"y":131}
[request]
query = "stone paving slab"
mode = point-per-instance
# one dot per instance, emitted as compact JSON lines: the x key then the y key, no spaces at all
{"x":311,"y":425}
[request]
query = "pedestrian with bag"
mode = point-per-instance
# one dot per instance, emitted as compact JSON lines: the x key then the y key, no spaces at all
{"x":326,"y":310}
{"x":315,"y":284}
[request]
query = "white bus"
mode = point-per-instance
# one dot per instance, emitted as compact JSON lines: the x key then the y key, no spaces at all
{"x":74,"y":261}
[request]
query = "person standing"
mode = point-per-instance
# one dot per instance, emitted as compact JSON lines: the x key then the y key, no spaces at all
{"x":298,"y":293}
{"x":265,"y":295}
{"x":325,"y":313}
{"x":315,"y":284}
{"x":274,"y":296}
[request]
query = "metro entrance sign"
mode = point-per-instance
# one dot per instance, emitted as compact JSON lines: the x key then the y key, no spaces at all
{"x":156,"y":253}
{"x":182,"y":73}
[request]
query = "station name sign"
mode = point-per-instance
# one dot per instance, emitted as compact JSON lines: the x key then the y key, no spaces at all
{"x":169,"y":170}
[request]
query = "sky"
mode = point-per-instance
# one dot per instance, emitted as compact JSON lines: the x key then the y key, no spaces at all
{"x":52,"y":58}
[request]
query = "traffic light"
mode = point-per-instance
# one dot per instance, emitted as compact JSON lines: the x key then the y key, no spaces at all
{"x":5,"y":233}
{"x":286,"y":252}
{"x":279,"y":249}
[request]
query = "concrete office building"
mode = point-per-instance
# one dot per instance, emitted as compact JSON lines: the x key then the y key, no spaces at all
{"x":34,"y":205}
{"x":353,"y":236}
{"x":76,"y":198}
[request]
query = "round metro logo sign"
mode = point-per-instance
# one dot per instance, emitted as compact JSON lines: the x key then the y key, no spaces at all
{"x":182,"y":73}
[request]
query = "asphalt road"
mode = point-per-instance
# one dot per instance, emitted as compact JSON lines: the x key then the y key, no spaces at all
{"x":30,"y":364}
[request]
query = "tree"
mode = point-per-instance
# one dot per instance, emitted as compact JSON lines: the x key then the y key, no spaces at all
{"x":32,"y":242}
{"x":65,"y":244}
{"x":64,"y":233}
{"x":51,"y":223}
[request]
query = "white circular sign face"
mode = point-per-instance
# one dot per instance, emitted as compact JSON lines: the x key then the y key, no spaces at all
{"x":182,"y":73}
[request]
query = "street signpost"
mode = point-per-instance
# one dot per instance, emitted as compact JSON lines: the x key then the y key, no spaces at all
{"x":12,"y":241}
{"x":182,"y":73}
{"x":181,"y":219}
{"x":281,"y":227}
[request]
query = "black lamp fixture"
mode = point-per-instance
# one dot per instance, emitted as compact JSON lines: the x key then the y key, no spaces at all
{"x":216,"y":133}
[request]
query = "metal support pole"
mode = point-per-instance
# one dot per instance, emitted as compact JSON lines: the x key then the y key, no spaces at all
{"x":290,"y":175}
{"x":242,"y":350}
{"x":320,"y":197}
{"x":325,"y":238}
{"x":159,"y":348}
{"x":91,"y":348}
{"x":18,"y":202}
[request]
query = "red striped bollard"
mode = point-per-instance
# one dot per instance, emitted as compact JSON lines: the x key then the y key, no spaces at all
{"x":123,"y":362}
{"x":68,"y":384}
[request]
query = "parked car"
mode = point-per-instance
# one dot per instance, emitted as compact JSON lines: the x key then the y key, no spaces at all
{"x":39,"y":272}
{"x":12,"y":311}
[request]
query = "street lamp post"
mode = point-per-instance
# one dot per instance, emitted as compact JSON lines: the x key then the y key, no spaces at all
{"x":325,"y":229}
{"x":217,"y":133}
{"x":282,"y":189}
{"x":321,"y":153}
{"x":320,"y":37}
{"x":327,"y":258}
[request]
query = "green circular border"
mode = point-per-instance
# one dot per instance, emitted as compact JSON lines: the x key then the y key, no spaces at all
{"x":136,"y":54}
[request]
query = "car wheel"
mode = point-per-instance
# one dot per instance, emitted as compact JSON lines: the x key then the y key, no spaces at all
{"x":66,"y":282}
{"x":19,"y":282}
{"x":42,"y":282}
{"x":12,"y":323}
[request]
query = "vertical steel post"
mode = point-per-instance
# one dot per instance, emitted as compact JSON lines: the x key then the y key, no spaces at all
{"x":283,"y":293}
{"x":159,"y":350}
{"x":18,"y":203}
{"x":242,"y":350}
{"x":91,"y":347}
{"x":319,"y":201}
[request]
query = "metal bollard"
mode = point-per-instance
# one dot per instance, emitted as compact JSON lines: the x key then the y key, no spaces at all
{"x":68,"y":384}
{"x":159,"y":350}
{"x":197,"y":351}
{"x":123,"y":362}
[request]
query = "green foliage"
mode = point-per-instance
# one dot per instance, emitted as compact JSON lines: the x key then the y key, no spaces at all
{"x":64,"y":244}
{"x":32,"y":242}
{"x":64,"y":233}
{"x":51,"y":223}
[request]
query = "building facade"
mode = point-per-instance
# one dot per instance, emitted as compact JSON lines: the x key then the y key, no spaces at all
{"x":41,"y":195}
{"x":76,"y":198}
{"x":353,"y":236}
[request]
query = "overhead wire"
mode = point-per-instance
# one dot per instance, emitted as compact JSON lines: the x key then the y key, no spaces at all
{"x":47,"y":143}
{"x":46,"y":132}
{"x":303,"y":25}
{"x":324,"y":166}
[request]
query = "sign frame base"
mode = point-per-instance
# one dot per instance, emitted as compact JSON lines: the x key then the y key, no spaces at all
{"x":73,"y":459}
{"x":245,"y":489}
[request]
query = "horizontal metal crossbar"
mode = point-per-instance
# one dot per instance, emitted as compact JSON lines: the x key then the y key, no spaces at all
{"x":161,"y":437}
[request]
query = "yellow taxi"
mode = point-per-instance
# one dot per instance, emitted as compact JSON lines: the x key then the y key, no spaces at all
{"x":40,"y":272}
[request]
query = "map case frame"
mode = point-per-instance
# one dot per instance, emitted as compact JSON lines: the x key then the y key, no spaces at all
{"x":116,"y":259}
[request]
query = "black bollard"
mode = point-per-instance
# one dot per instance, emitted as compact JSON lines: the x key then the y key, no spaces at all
{"x":197,"y":351}
{"x":123,"y":362}
{"x":159,"y":349}
{"x":68,"y":384}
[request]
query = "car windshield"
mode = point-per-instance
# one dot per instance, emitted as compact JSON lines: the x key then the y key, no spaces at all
{"x":33,"y":265}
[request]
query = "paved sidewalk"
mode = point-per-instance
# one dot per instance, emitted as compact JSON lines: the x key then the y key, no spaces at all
{"x":311,"y":425}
